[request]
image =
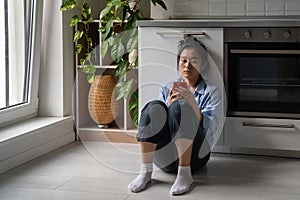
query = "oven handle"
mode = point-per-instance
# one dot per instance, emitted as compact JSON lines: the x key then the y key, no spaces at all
{"x":264,"y":51}
{"x":174,"y":33}
{"x":252,"y":124}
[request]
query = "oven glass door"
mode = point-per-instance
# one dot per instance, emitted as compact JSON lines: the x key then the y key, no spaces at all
{"x":263,"y":79}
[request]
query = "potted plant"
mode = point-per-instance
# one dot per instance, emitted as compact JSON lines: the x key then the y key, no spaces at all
{"x":119,"y":45}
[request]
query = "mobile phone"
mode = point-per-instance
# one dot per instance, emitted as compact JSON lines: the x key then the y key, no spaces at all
{"x":177,"y":84}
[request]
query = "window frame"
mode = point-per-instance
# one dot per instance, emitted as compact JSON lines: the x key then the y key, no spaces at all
{"x":28,"y":110}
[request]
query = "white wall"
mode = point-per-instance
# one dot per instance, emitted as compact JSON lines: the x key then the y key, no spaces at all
{"x":57,"y":61}
{"x":51,"y":72}
{"x":223,"y":8}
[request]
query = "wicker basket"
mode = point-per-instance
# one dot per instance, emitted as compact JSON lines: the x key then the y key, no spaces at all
{"x":103,"y":108}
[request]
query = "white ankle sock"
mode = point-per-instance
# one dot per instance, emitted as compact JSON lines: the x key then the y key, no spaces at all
{"x":183,"y":180}
{"x":144,"y":177}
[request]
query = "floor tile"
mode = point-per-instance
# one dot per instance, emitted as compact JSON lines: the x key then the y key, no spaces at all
{"x":25,"y":181}
{"x":114,"y":186}
{"x":35,"y":194}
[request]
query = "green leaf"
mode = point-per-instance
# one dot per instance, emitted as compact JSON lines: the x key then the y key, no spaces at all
{"x":77,"y":35}
{"x":124,"y":13}
{"x":90,"y":78}
{"x":132,"y":43}
{"x":74,"y":20}
{"x":110,"y":41}
{"x":88,"y":57}
{"x":123,"y":89}
{"x":87,"y":20}
{"x":127,"y":35}
{"x":131,"y":23}
{"x":86,"y":10}
{"x":117,"y":50}
{"x":128,"y":87}
{"x":68,"y":5}
{"x":159,"y":2}
{"x":78,"y":48}
{"x":89,"y":41}
{"x":101,"y":29}
{"x":119,"y":91}
{"x":135,"y":118}
{"x":133,"y":105}
{"x":105,"y":11}
{"x":117,"y":2}
{"x":122,"y":69}
{"x":118,"y":11}
{"x":90,"y":69}
{"x":104,"y":48}
{"x":135,"y":96}
{"x":136,"y":62}
{"x":82,"y":62}
{"x":108,"y":26}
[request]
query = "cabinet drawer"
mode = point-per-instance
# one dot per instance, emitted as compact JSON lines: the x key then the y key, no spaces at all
{"x":281,"y":134}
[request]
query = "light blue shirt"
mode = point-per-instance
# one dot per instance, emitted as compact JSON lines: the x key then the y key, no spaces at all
{"x":208,"y":99}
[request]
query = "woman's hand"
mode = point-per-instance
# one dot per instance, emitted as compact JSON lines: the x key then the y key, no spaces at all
{"x":173,"y":96}
{"x":181,"y":92}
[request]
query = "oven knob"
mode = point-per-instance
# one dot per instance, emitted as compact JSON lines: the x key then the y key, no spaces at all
{"x":286,"y":35}
{"x":267,"y":35}
{"x":247,"y":35}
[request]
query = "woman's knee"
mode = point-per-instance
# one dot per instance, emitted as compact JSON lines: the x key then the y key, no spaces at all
{"x":157,"y":107}
{"x":153,"y":109}
{"x":153,"y":122}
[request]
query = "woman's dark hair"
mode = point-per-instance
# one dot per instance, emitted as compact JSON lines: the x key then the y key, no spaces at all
{"x":191,"y":42}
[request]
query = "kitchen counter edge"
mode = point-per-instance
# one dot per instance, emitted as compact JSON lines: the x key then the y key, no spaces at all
{"x":220,"y":23}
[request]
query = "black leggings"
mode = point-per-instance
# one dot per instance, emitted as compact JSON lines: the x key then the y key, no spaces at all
{"x":162,"y":126}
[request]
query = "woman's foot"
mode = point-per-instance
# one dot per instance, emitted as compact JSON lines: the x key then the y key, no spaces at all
{"x":140,"y":182}
{"x":183,"y":181}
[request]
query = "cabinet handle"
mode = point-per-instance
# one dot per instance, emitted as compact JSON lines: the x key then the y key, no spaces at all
{"x":180,"y":33}
{"x":264,"y":51}
{"x":268,"y":125}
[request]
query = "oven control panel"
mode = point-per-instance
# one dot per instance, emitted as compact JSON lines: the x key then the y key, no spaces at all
{"x":262,"y":34}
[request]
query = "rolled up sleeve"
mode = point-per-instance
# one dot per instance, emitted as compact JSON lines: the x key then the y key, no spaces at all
{"x":211,"y":110}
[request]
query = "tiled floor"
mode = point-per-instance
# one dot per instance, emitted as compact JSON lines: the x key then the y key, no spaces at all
{"x":99,"y":170}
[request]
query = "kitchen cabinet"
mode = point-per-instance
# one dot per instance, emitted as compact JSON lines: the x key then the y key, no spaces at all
{"x":258,"y":133}
{"x":158,"y":58}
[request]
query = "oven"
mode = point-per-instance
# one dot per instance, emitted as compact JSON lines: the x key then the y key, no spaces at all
{"x":262,"y":72}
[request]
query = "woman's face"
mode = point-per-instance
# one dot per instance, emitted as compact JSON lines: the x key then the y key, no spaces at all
{"x":190,"y":64}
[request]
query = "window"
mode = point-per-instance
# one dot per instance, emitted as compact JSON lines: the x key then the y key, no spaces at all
{"x":19,"y":58}
{"x":13,"y":86}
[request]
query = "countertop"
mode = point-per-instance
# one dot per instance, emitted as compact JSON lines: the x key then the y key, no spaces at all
{"x":284,"y":21}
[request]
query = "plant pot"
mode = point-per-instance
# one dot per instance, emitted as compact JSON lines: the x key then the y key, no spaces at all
{"x":103,"y":108}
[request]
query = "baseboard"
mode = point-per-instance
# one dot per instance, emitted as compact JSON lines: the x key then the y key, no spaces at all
{"x":107,"y":136}
{"x":266,"y":152}
{"x":221,"y":149}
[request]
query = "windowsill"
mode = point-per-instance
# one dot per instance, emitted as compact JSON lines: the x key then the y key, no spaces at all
{"x":28,"y":139}
{"x":28,"y":127}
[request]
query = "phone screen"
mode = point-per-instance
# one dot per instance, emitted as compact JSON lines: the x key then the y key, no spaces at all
{"x":177,"y":84}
